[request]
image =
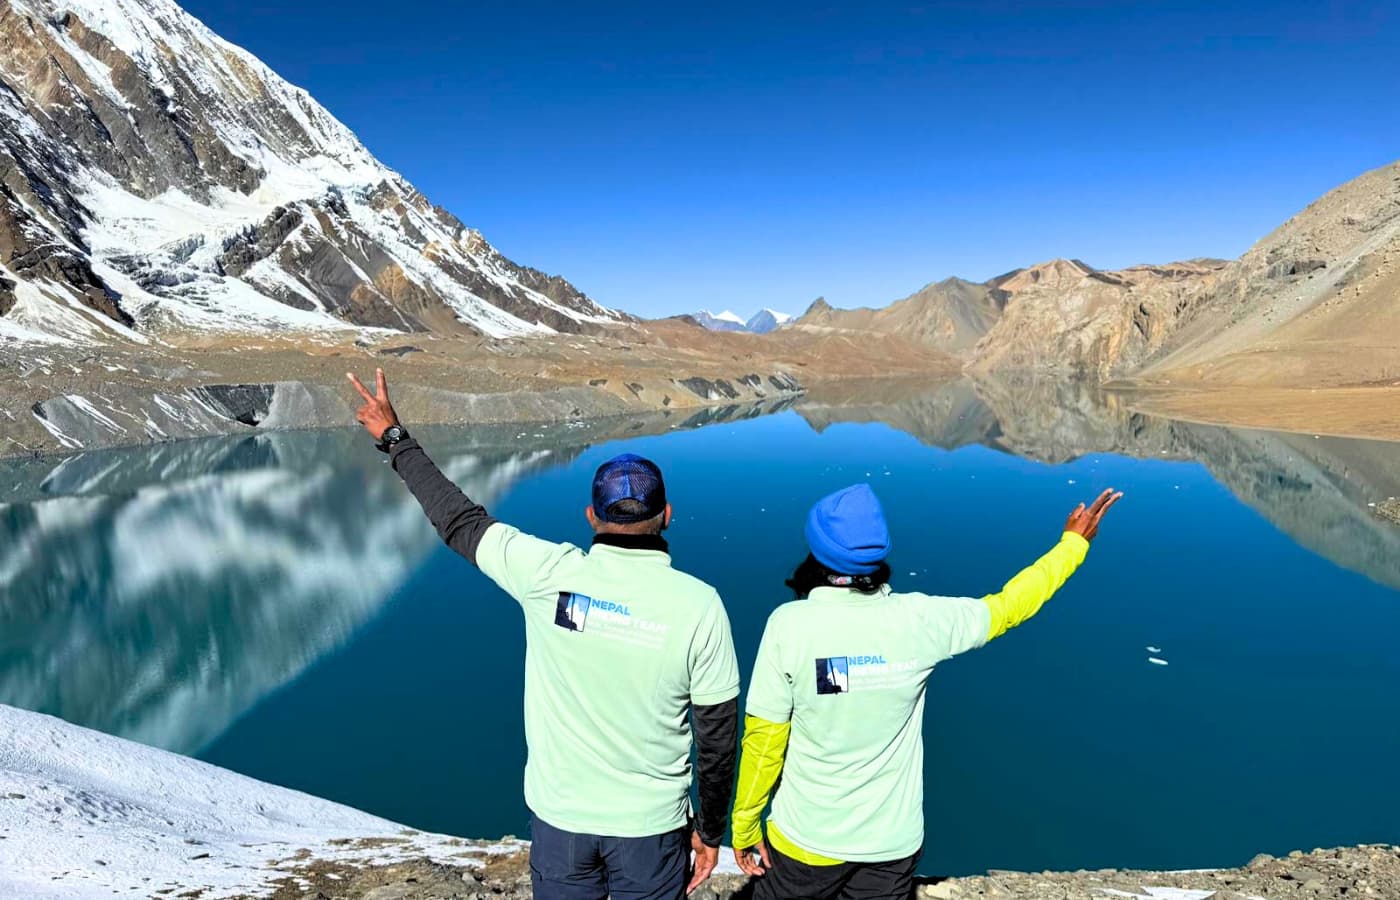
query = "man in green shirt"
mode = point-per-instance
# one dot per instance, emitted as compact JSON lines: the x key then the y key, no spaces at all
{"x":837,"y":700}
{"x":623,"y":653}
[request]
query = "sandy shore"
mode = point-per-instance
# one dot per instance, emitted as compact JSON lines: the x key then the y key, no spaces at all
{"x":1355,"y":412}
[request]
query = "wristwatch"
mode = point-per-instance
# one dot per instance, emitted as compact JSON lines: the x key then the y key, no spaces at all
{"x":391,"y":436}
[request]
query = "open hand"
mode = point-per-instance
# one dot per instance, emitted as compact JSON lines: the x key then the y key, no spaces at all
{"x":377,"y":414}
{"x":706,"y":858}
{"x":749,"y":865}
{"x":1085,"y":522}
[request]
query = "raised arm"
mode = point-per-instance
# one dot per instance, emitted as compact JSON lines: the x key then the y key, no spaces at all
{"x":1024,"y":595}
{"x":460,"y":522}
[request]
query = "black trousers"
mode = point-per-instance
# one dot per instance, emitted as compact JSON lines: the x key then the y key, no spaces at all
{"x":569,"y":866}
{"x":793,"y":880}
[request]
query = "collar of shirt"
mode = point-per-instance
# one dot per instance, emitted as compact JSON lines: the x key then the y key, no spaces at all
{"x":845,"y":594}
{"x":651,"y":542}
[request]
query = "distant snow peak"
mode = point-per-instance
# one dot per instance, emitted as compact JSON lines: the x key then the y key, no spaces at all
{"x":171,"y":177}
{"x":762,"y":322}
{"x":766,"y":320}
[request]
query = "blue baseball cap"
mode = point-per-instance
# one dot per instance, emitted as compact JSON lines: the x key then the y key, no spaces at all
{"x":628,"y":477}
{"x":846,"y":531}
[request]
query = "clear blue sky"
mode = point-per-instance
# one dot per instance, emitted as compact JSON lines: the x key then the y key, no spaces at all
{"x":672,"y":156}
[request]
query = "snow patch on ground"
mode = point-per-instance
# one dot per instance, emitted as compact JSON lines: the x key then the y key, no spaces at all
{"x":85,"y":815}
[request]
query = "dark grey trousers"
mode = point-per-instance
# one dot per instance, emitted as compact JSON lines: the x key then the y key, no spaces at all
{"x":793,"y":880}
{"x":569,"y":866}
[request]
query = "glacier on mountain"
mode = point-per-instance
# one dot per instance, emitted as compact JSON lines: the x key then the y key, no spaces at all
{"x":155,"y":177}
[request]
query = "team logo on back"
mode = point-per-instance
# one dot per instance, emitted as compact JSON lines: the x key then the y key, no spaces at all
{"x":574,"y":610}
{"x":834,"y":672}
{"x":571,"y":613}
{"x":834,"y":675}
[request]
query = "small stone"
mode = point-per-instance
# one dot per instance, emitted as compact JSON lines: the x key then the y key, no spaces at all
{"x":944,"y":890}
{"x":1313,"y":884}
{"x":1261,"y":860}
{"x":1295,"y":854}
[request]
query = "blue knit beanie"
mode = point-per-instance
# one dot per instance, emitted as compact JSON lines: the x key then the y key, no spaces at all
{"x":847,"y":532}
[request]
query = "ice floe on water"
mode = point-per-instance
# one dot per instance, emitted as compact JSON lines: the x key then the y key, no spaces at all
{"x":1154,"y":649}
{"x":1157,"y":661}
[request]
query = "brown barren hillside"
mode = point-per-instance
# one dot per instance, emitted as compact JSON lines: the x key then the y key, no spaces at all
{"x":949,"y":316}
{"x":1314,"y":304}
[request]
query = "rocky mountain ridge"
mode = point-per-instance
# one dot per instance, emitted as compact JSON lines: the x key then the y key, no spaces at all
{"x":155,"y":178}
{"x":1314,"y":303}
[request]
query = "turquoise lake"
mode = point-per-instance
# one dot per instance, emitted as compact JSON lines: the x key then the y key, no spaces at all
{"x":277,"y":604}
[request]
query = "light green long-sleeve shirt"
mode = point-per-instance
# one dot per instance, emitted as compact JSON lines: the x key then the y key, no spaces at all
{"x":836,"y":705}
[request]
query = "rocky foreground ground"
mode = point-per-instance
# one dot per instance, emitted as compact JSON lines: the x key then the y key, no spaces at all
{"x":1350,"y":872}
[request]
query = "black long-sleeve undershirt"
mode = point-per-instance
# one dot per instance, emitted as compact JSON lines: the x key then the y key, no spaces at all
{"x":460,"y":521}
{"x":716,"y":730}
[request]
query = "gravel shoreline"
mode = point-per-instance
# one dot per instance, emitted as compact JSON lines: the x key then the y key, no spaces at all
{"x":1341,"y":874}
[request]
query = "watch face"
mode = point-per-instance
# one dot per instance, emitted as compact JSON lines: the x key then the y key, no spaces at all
{"x":393,"y":435}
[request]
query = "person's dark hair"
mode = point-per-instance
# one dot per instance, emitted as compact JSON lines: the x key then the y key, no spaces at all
{"x":812,"y":574}
{"x":628,"y":508}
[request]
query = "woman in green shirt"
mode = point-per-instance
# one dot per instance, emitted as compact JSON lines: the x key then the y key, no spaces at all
{"x":836,"y":704}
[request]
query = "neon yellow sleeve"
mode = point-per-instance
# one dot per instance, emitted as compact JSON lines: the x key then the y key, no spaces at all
{"x":760,"y":764}
{"x":1024,"y":595}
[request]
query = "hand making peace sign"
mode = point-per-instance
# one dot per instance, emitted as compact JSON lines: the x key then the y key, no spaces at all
{"x":377,"y":414}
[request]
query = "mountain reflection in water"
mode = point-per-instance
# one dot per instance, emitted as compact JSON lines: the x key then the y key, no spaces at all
{"x":159,"y":593}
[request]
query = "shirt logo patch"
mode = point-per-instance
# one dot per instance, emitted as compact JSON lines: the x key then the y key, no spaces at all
{"x":571,"y":613}
{"x":834,"y":675}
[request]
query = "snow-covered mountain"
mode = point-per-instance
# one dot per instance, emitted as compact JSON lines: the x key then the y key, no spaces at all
{"x":762,"y":322}
{"x":154,"y":176}
{"x":725,"y":321}
{"x":766,"y":320}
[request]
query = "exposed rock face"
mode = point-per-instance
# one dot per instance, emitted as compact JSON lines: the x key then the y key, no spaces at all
{"x":152,"y":174}
{"x":1065,"y":316}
